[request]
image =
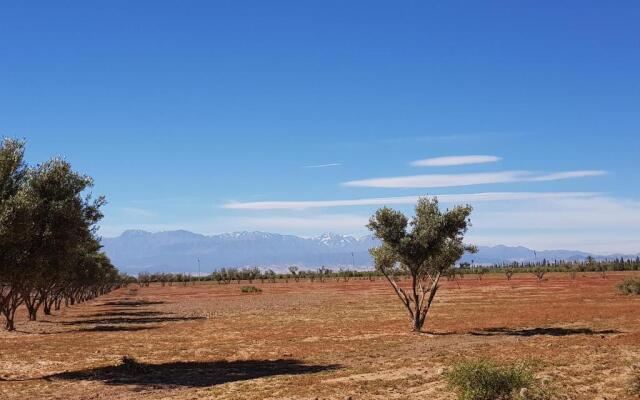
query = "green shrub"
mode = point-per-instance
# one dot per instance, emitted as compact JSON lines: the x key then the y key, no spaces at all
{"x":630,"y":286}
{"x":250,"y":289}
{"x":488,"y":380}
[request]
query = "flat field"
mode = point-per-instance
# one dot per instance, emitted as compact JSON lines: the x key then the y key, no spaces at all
{"x":331,"y":340}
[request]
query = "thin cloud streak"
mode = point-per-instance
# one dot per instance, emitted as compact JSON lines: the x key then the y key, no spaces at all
{"x":454,"y":160}
{"x":452,"y":180}
{"x":404,"y":200}
{"x":323,"y":165}
{"x":567,"y":175}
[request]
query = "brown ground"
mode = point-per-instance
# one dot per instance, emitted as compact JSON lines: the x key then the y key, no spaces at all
{"x":323,"y":340}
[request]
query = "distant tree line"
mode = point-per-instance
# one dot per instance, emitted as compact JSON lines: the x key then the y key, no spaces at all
{"x":49,"y":251}
{"x":540,"y":268}
{"x":250,"y":274}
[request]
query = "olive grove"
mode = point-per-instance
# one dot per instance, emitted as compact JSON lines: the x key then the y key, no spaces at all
{"x":49,"y":248}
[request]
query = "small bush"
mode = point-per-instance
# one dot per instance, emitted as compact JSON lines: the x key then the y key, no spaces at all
{"x":487,"y":380}
{"x":250,"y":289}
{"x":630,"y":286}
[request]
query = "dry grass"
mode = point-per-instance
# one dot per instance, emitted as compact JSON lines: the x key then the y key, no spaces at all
{"x":323,"y":340}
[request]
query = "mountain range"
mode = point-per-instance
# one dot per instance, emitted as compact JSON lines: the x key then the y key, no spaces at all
{"x":183,"y":251}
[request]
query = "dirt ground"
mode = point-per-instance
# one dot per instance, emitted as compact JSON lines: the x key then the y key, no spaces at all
{"x":331,"y":340}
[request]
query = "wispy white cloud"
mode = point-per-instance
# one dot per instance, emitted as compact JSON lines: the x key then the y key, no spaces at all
{"x":454,"y":160}
{"x":567,"y":175}
{"x":404,"y":200}
{"x":323,"y":165}
{"x":452,"y":180}
{"x":440,"y":180}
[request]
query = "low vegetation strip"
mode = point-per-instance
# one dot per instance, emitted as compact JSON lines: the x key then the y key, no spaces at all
{"x":250,"y":289}
{"x":629,"y":286}
{"x":490,"y":380}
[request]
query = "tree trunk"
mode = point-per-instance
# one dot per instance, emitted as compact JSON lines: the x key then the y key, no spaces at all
{"x":32,"y":301}
{"x":421,"y":316}
{"x":11,"y":300}
{"x":8,"y":323}
{"x":418,"y":322}
{"x":33,"y":313}
{"x":58,"y":302}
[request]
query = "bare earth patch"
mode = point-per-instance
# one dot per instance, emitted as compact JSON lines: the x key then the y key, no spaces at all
{"x":322,"y":340}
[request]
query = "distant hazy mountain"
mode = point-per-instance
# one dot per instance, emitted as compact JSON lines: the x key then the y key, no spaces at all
{"x":179,"y":251}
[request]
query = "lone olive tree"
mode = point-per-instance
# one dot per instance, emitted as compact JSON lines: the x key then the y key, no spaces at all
{"x":423,"y":249}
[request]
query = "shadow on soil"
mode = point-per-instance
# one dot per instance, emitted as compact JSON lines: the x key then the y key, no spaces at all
{"x":114,"y":328}
{"x":110,"y":320}
{"x":130,"y":320}
{"x":130,"y":303}
{"x":551,"y":331}
{"x":123,"y":314}
{"x":191,"y":374}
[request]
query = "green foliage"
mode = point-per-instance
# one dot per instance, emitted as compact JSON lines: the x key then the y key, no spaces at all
{"x":250,"y":289}
{"x":629,"y":286}
{"x":432,"y":244}
{"x":488,"y":380}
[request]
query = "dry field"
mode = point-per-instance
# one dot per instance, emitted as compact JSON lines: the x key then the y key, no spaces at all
{"x":331,"y":340}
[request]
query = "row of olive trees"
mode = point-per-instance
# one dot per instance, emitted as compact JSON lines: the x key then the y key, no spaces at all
{"x":164,"y":278}
{"x":49,"y":251}
{"x":590,"y":264}
{"x":250,"y":274}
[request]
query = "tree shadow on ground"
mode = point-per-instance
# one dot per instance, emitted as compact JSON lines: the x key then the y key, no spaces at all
{"x":437,"y":333}
{"x":130,"y":320}
{"x":123,"y":314}
{"x":191,"y":374}
{"x":115,"y":328}
{"x":129,"y":303}
{"x":547,"y":331}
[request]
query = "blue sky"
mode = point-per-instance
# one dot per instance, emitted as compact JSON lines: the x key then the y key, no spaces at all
{"x":185,"y":111}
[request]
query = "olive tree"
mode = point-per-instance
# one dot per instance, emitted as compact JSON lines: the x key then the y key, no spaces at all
{"x":14,"y":229}
{"x":293,"y":270}
{"x":63,"y":219}
{"x":423,"y":249}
